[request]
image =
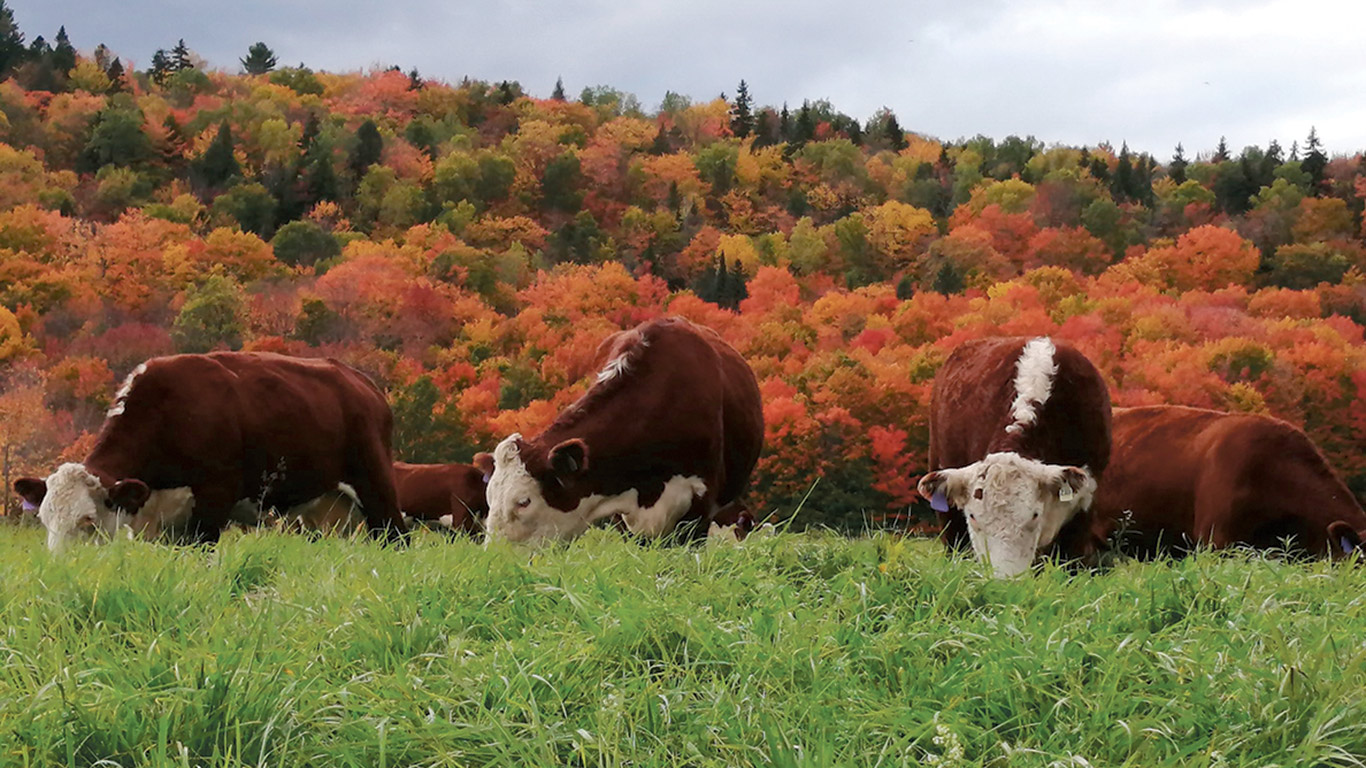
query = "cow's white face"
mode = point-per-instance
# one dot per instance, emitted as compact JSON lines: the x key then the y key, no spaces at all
{"x":1014,"y":506}
{"x":76,"y":508}
{"x":518,"y":510}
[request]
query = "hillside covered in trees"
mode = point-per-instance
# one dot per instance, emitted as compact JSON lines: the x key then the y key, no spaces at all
{"x":469,"y":244}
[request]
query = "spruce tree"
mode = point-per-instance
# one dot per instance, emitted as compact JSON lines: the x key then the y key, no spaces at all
{"x":1177,"y":169}
{"x":369,"y":147}
{"x":180,"y":56}
{"x":1315,"y":161}
{"x":1221,"y":151}
{"x":161,"y":67}
{"x":115,"y":75}
{"x":558,"y":93}
{"x":63,"y":54}
{"x":1122,"y":185}
{"x":12,"y":51}
{"x":948,"y":281}
{"x":415,"y":81}
{"x":891,"y":130}
{"x":736,"y":288}
{"x":259,"y":59}
{"x":217,"y":166}
{"x":741,"y":114}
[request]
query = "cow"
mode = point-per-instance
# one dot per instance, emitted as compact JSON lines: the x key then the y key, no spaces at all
{"x":1019,"y":436}
{"x":1181,"y":476}
{"x":668,"y":433}
{"x":447,"y":495}
{"x":212,"y":430}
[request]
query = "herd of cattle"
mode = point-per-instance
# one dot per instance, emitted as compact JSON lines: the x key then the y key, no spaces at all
{"x":1027,"y":458}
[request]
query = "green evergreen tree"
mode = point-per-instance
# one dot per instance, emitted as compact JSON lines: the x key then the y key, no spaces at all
{"x":12,"y":50}
{"x":949,"y":281}
{"x":319,"y":177}
{"x":558,"y":93}
{"x":217,"y":166}
{"x":1177,"y":168}
{"x":116,"y":139}
{"x":369,"y":148}
{"x":741,"y":113}
{"x":1221,"y":152}
{"x":180,"y":56}
{"x":1122,"y":185}
{"x":63,"y":54}
{"x":116,"y":76}
{"x":259,"y":59}
{"x":161,"y":67}
{"x":905,"y":288}
{"x":893,"y":132}
{"x":303,"y":244}
{"x":1315,"y":161}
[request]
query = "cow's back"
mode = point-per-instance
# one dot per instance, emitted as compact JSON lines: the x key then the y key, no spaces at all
{"x":432,"y":491}
{"x":1181,"y":475}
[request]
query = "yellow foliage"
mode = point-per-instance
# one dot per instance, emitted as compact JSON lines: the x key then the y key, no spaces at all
{"x":13,"y":341}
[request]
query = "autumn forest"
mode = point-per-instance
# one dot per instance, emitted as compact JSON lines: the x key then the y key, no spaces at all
{"x":468,"y":245}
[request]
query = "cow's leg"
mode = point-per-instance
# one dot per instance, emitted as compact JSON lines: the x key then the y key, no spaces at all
{"x":212,"y":510}
{"x":373,"y":479}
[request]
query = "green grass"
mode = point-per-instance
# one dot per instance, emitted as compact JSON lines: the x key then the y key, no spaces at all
{"x":798,"y":650}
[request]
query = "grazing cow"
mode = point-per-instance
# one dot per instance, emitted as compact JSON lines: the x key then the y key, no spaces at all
{"x":222,"y":428}
{"x":447,"y":495}
{"x":1019,"y":435}
{"x":1181,"y":476}
{"x":668,"y":433}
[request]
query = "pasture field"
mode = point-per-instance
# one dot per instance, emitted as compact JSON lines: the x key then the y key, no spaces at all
{"x":796,"y":650}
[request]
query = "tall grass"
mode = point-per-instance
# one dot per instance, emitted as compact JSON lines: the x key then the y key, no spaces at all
{"x":798,"y":650}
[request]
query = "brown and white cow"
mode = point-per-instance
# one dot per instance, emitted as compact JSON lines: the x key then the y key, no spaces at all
{"x":1181,"y":476}
{"x":447,"y":495}
{"x":225,"y":427}
{"x":669,"y":432}
{"x":1019,"y":435}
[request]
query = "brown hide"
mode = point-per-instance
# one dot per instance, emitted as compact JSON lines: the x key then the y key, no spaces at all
{"x":971,"y":407}
{"x":1190,"y":475}
{"x":432,"y":491}
{"x":273,"y":429}
{"x":688,"y":405}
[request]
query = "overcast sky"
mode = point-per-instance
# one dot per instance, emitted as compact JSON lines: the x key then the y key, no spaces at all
{"x":1152,"y":73}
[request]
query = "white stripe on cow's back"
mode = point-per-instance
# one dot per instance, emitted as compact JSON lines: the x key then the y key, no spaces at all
{"x":1034,"y":374}
{"x":122,"y":394}
{"x":621,"y":364}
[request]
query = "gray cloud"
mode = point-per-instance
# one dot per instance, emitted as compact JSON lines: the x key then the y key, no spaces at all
{"x":1152,"y":73}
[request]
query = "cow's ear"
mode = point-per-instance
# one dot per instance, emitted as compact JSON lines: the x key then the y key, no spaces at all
{"x":944,"y":488}
{"x":31,"y":490}
{"x":484,"y":461}
{"x":129,"y":495}
{"x":570,"y":457}
{"x":1343,"y":538}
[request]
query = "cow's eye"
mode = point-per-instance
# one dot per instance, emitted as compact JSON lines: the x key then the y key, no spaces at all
{"x":524,"y":502}
{"x":977,"y":494}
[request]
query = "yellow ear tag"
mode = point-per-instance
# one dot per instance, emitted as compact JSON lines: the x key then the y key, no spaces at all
{"x":1065,"y":492}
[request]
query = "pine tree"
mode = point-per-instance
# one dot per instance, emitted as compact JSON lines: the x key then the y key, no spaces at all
{"x":63,"y":54}
{"x":259,"y":59}
{"x":736,"y":288}
{"x":1177,"y":169}
{"x":558,"y":93}
{"x":415,"y":81}
{"x":115,"y":74}
{"x":784,"y":124}
{"x":12,"y":51}
{"x":1294,"y":151}
{"x":764,"y":128}
{"x":1122,"y":185}
{"x":948,"y":281}
{"x":1314,"y":159}
{"x":102,"y":57}
{"x":217,"y":166}
{"x":180,"y":56}
{"x":1221,"y":151}
{"x":320,"y":178}
{"x":804,"y":127}
{"x":161,"y":67}
{"x":741,"y":116}
{"x":369,"y":148}
{"x":895,"y":136}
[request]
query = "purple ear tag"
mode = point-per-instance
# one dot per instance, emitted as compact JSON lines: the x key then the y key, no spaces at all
{"x":938,"y":503}
{"x":1346,"y":545}
{"x":486,"y":478}
{"x":29,"y":506}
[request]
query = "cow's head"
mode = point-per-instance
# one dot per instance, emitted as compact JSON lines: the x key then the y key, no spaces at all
{"x":1014,"y":506}
{"x":1343,"y":540}
{"x":519,"y":485}
{"x":73,"y":505}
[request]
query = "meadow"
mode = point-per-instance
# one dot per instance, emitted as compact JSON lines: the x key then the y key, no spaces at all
{"x":795,"y":650}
